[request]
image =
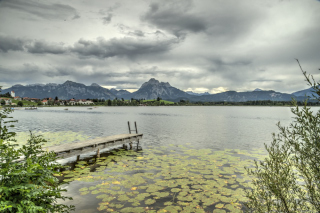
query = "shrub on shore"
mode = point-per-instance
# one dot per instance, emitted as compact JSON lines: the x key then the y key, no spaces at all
{"x":289,"y":179}
{"x":27,"y":185}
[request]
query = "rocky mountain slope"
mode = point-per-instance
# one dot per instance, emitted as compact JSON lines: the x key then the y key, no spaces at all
{"x":306,"y":92}
{"x":197,"y":94}
{"x":233,"y":96}
{"x":63,"y":91}
{"x":154,"y":89}
{"x":148,"y":90}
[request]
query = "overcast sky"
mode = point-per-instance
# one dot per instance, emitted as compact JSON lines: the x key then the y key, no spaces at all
{"x":201,"y":45}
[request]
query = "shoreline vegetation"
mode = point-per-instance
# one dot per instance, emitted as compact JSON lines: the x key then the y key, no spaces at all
{"x":159,"y":102}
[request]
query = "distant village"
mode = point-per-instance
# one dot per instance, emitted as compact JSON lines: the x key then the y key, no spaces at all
{"x":44,"y":101}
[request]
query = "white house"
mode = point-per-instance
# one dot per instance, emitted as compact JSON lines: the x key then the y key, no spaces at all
{"x":72,"y":102}
{"x":44,"y":102}
{"x":13,"y":94}
{"x":89,"y":102}
{"x":85,"y":102}
{"x":6,"y":100}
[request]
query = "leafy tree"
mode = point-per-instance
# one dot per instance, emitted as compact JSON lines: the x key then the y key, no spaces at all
{"x":7,"y":95}
{"x":158,"y":99}
{"x":3,"y":102}
{"x":20,"y":103}
{"x":51,"y":102}
{"x":109,"y":102}
{"x":289,"y":179}
{"x":27,"y":185}
{"x":39,"y":103}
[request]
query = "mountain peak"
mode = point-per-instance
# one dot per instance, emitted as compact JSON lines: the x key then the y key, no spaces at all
{"x":95,"y":85}
{"x":71,"y":83}
{"x":257,"y":90}
{"x":153,"y":81}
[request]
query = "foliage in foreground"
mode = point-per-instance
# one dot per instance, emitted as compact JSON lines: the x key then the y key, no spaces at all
{"x":28,"y":185}
{"x":289,"y":179}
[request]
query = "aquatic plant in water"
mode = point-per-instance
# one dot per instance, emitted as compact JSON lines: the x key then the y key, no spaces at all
{"x":53,"y":138}
{"x":168,"y":181}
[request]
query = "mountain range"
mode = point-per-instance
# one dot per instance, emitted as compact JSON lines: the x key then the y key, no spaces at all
{"x":148,"y":90}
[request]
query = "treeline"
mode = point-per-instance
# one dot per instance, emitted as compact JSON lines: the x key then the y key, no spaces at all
{"x":248,"y":103}
{"x":131,"y":102}
{"x":136,"y":102}
{"x":117,"y":102}
{"x":6,"y":95}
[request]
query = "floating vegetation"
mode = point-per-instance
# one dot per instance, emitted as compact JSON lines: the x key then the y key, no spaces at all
{"x":53,"y":138}
{"x":184,"y":179}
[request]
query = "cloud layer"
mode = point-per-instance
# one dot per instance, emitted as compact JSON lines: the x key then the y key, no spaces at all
{"x":199,"y":45}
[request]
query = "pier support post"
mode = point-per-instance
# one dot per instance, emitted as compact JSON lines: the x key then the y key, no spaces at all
{"x":78,"y":157}
{"x":98,"y":153}
{"x":129,"y":127}
{"x":135,"y":124}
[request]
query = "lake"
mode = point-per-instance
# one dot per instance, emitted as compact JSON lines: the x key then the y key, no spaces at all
{"x":190,"y":159}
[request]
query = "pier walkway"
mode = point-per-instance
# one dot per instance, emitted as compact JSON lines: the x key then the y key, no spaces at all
{"x":77,"y":148}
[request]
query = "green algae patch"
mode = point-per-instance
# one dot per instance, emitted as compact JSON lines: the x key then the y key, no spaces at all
{"x":157,"y":180}
{"x":53,"y":138}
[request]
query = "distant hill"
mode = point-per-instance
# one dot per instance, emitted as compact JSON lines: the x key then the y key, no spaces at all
{"x":197,"y":94}
{"x":63,"y":91}
{"x":151,"y":89}
{"x":306,"y":92}
{"x":121,"y":93}
{"x":233,"y":96}
{"x":257,"y":90}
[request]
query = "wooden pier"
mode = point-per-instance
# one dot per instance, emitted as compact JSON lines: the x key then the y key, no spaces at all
{"x":72,"y":149}
{"x":93,"y":145}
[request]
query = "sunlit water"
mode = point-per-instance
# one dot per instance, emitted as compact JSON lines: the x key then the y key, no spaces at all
{"x":166,"y":130}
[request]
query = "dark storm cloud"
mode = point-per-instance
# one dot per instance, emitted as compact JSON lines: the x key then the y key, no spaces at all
{"x":128,"y":47}
{"x":26,"y":73}
{"x":100,"y":48}
{"x":39,"y":47}
{"x":42,"y":47}
{"x":222,"y":22}
{"x":107,"y":19}
{"x":40,"y":9}
{"x":9,"y":43}
{"x":174,"y":17}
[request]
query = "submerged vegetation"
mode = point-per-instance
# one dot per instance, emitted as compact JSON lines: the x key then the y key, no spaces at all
{"x":53,"y":138}
{"x":162,"y":180}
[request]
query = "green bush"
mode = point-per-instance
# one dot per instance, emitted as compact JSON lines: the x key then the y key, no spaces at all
{"x":20,"y":103}
{"x":289,"y":179}
{"x":27,"y":185}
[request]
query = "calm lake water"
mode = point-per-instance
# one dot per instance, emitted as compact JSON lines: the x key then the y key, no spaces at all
{"x":210,"y":129}
{"x":206,"y":127}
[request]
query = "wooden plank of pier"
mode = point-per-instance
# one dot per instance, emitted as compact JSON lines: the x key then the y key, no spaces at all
{"x":77,"y":148}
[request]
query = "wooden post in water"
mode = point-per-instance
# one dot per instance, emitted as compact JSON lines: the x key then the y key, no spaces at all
{"x":136,"y":129}
{"x":129,"y":127}
{"x":135,"y":124}
{"x":98,"y":153}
